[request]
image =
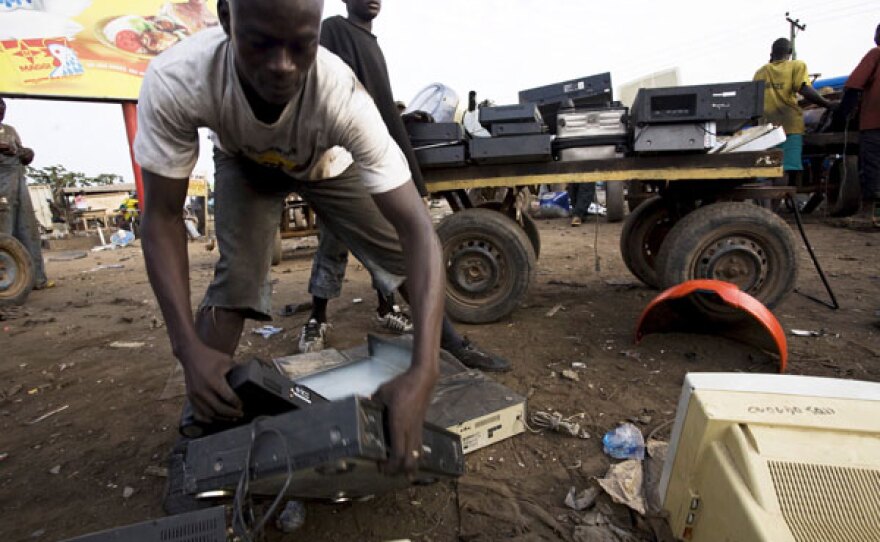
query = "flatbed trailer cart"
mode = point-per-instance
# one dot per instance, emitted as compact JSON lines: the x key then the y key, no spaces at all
{"x":696,"y":225}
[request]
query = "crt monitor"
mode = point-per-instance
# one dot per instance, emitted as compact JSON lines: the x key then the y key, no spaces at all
{"x":774,"y":458}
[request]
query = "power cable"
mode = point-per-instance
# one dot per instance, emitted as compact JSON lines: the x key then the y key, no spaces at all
{"x":243,"y":516}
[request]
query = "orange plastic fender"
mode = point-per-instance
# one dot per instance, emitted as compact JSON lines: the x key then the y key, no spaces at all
{"x":718,"y":308}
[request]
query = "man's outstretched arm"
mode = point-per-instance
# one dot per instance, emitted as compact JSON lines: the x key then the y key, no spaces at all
{"x":811,"y":95}
{"x":408,"y":396}
{"x":165,"y":253}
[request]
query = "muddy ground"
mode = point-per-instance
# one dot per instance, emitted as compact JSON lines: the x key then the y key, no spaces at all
{"x":93,"y":465}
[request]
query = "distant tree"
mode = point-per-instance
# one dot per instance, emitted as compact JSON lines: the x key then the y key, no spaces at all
{"x":59,"y":178}
{"x":106,"y":178}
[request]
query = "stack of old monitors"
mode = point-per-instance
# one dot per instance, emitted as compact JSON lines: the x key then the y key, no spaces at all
{"x":591,"y":133}
{"x":438,"y":144}
{"x":682,"y":119}
{"x":518,"y":136}
{"x":593,"y":91}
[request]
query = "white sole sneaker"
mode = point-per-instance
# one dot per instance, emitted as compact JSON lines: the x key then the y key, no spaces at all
{"x":396,"y":321}
{"x":313,"y":337}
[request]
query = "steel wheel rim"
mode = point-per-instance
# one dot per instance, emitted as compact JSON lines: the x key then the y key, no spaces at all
{"x":9,"y":271}
{"x":739,"y":260}
{"x":476,"y":271}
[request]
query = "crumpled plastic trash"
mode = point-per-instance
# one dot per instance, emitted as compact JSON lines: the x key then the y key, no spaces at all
{"x":625,"y":442}
{"x":596,"y":209}
{"x":122,"y":238}
{"x":267,"y":331}
{"x":583,"y":500}
{"x":624,"y":484}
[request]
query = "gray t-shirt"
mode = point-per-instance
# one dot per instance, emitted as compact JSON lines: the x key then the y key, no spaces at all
{"x":194,"y":85}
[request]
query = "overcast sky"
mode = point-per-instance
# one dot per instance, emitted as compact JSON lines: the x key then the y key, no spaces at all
{"x":499,"y":47}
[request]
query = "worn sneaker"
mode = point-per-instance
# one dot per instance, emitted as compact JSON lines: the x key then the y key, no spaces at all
{"x":395,"y":321}
{"x":471,"y":356}
{"x":313,"y":336}
{"x":576,"y":221}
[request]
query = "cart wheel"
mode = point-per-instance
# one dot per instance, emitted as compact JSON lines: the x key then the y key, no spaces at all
{"x":636,"y":194}
{"x":739,"y":243}
{"x":489,"y":264}
{"x":16,"y":271}
{"x":277,"y":249}
{"x":615,"y":201}
{"x":528,"y":225}
{"x":845,"y":190}
{"x":643,"y":233}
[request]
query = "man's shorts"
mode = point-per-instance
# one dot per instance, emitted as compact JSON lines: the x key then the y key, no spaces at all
{"x":793,"y":150}
{"x":249,"y":200}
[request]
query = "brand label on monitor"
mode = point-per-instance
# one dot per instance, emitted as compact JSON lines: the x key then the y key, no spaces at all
{"x":301,"y":394}
{"x":792,"y":410}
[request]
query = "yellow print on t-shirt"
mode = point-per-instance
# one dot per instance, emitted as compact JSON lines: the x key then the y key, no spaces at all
{"x":275,"y":159}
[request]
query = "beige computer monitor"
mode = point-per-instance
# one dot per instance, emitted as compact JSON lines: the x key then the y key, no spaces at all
{"x":774,"y":458}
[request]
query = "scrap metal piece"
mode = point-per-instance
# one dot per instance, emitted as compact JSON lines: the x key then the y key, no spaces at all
{"x":717,"y":308}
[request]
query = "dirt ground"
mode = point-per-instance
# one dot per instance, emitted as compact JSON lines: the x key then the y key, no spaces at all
{"x":93,"y":465}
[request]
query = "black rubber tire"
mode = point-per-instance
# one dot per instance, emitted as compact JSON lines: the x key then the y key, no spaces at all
{"x":531,"y":228}
{"x":528,"y":225}
{"x":734,"y":242}
{"x":499,"y":257}
{"x":16,"y":272}
{"x":643,"y":234}
{"x":277,"y":249}
{"x":615,"y":201}
{"x":845,"y":192}
{"x":636,"y":195}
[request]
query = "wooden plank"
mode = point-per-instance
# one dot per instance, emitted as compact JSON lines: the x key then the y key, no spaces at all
{"x":767,"y":164}
{"x":604,"y":176}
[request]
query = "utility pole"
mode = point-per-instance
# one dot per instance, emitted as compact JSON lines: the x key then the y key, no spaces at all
{"x":796,"y":27}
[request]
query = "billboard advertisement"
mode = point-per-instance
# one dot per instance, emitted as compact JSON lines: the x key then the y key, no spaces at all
{"x":90,"y":49}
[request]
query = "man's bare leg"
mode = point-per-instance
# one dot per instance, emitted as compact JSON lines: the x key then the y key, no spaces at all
{"x":220,"y":328}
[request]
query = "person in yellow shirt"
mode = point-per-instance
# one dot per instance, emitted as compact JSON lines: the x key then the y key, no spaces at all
{"x":785,"y":79}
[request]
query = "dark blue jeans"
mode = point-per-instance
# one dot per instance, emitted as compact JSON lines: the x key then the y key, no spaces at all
{"x":581,"y":195}
{"x":869,"y":163}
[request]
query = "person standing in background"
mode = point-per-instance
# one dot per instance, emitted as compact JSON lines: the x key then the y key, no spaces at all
{"x":863,"y":90}
{"x":352,"y":40}
{"x":583,"y":202}
{"x":17,"y":217}
{"x":785,"y":79}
